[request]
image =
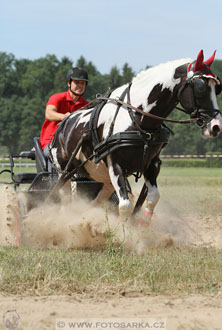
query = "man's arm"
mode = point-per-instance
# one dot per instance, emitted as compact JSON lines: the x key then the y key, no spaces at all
{"x":52,"y":115}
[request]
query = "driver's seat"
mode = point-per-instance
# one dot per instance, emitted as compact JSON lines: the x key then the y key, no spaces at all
{"x":41,"y":162}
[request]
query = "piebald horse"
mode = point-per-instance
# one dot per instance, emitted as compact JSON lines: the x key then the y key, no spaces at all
{"x":124,"y":133}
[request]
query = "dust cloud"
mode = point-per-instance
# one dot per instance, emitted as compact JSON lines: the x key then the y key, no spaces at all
{"x":80,"y":224}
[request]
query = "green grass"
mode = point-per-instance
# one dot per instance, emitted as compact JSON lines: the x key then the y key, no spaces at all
{"x":113,"y":271}
{"x":159,"y":271}
{"x":191,"y":172}
{"x":196,"y":190}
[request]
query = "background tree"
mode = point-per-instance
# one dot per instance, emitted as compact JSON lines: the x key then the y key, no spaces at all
{"x":38,"y":79}
{"x":60,"y":75}
{"x":26,"y":85}
{"x":114,"y":78}
{"x":127,"y":74}
{"x":11,"y":111}
{"x":7,"y":74}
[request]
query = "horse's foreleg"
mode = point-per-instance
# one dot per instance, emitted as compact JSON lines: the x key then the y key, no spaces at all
{"x":153,"y":195}
{"x":119,"y":183}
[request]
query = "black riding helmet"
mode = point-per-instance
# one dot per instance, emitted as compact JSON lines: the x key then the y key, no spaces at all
{"x":77,"y":74}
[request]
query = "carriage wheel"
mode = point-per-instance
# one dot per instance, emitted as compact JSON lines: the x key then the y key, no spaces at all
{"x":9,"y":219}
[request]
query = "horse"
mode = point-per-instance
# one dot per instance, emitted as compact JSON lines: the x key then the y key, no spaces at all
{"x":124,"y":133}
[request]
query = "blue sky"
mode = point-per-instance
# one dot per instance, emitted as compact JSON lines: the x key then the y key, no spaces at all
{"x":111,"y":32}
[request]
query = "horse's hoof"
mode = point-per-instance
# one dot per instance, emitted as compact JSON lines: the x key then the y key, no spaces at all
{"x":145,"y":222}
{"x":147,"y":213}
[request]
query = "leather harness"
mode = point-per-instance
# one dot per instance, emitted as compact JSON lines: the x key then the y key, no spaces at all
{"x":112,"y":142}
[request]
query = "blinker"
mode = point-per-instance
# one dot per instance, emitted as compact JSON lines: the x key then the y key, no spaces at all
{"x":200,"y":88}
{"x":218,"y":88}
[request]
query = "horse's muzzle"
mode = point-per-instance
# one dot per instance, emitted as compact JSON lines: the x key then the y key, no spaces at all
{"x":215,"y":131}
{"x":214,"y":127}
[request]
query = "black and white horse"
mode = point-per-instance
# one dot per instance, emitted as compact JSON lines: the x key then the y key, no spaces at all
{"x":124,"y":134}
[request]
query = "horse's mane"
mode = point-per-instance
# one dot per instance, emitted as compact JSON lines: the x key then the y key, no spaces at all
{"x":167,"y":66}
{"x":151,"y":71}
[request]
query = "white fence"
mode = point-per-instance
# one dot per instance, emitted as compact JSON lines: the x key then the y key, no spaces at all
{"x":18,"y":164}
{"x":21,"y":164}
{"x":5,"y":162}
{"x":191,"y":156}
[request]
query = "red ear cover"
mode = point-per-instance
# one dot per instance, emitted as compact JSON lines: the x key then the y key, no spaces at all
{"x":210,"y":59}
{"x":199,"y":62}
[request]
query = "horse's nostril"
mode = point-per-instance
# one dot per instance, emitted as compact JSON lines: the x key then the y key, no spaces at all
{"x":215,"y":130}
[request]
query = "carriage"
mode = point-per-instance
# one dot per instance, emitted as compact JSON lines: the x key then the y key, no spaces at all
{"x":122,"y":134}
{"x":34,"y":187}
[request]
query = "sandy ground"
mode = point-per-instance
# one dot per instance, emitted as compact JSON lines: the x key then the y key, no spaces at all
{"x":76,"y":226}
{"x":182,"y":313}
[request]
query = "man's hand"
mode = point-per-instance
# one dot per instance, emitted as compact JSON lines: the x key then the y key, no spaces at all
{"x":66,"y":114}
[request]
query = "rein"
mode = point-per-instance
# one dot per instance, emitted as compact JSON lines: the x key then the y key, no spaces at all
{"x":127,"y":105}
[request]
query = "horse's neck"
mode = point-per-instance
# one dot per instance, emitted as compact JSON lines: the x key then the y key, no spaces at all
{"x":157,"y":83}
{"x":157,"y":95}
{"x":154,"y":91}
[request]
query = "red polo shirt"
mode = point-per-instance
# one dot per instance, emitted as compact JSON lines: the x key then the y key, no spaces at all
{"x":64,"y":103}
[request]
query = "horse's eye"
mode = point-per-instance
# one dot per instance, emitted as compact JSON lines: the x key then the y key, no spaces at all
{"x":200,"y":88}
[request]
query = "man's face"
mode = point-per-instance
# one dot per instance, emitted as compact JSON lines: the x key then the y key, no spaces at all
{"x":78,"y":86}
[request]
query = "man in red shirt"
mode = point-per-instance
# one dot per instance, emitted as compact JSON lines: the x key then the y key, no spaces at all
{"x":61,"y":105}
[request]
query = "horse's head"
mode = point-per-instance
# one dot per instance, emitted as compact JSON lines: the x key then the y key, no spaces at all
{"x":198,"y":95}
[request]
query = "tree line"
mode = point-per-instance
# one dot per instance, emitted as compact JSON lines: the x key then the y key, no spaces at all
{"x":26,"y":85}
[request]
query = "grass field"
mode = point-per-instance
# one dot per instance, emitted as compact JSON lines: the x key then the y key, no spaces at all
{"x":196,"y":190}
{"x":111,"y":270}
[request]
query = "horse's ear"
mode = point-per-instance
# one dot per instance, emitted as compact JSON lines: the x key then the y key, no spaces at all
{"x":211,"y":59}
{"x":199,"y":62}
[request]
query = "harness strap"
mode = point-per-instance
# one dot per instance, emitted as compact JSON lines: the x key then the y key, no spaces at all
{"x":74,"y":153}
{"x":141,"y":199}
{"x":124,"y":93}
{"x":94,"y":119}
{"x":117,"y":100}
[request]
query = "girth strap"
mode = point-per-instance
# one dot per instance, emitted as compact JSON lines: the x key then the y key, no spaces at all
{"x":94,"y":120}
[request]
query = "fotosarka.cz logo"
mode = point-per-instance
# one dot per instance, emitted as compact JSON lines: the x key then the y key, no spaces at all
{"x":11,"y":319}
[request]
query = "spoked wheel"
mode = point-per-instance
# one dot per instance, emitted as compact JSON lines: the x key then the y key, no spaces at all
{"x":10,"y":226}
